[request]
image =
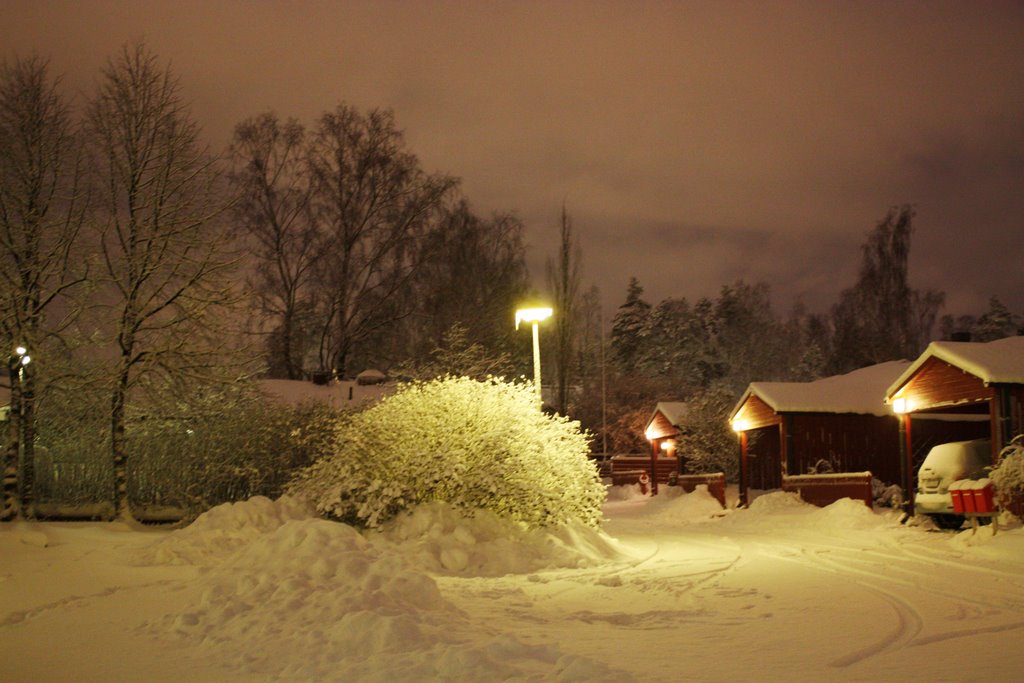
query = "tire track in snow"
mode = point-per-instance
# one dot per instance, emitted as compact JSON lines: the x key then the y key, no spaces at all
{"x":20,"y":616}
{"x":854,"y":556}
{"x":909,"y":621}
{"x":909,"y":624}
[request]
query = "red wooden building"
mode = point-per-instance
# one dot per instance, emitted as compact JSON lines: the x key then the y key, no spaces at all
{"x":961,"y":379}
{"x":663,"y":430}
{"x":841,"y":423}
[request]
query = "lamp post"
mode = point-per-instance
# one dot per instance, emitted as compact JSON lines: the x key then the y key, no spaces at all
{"x":534,"y":316}
{"x":902,"y":407}
{"x":12,"y":457}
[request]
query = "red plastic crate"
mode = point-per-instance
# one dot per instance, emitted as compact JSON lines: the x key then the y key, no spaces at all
{"x":958,"y":500}
{"x":982,"y":498}
{"x":968,"y":497}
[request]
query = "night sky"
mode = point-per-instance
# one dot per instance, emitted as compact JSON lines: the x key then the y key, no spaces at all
{"x":693,"y":143}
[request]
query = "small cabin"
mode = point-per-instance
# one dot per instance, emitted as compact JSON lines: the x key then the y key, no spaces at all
{"x":661,"y":430}
{"x":964,"y":383}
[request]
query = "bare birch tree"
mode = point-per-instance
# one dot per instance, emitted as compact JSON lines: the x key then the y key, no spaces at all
{"x":272,"y":181}
{"x":41,"y":210}
{"x":564,"y":281}
{"x":473,"y":277}
{"x":373,"y":206}
{"x":882,"y":317}
{"x":160,"y":242}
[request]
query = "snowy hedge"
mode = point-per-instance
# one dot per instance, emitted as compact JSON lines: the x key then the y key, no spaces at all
{"x":473,"y":444}
{"x":1008,"y":475}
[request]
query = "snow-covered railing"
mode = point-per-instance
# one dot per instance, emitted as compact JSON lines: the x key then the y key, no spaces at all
{"x":825,"y":489}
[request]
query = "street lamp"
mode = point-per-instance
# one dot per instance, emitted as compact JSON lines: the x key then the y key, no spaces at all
{"x":534,"y":316}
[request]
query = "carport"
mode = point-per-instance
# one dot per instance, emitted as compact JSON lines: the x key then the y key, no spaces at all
{"x":788,"y":428}
{"x":951,"y":380}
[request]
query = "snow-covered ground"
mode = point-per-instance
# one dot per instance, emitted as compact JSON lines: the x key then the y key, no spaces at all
{"x":673,"y":588}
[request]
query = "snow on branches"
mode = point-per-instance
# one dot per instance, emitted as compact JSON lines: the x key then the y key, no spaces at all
{"x":1008,"y":475}
{"x":472,"y":444}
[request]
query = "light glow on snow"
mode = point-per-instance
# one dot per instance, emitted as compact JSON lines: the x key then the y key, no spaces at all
{"x":262,"y":590}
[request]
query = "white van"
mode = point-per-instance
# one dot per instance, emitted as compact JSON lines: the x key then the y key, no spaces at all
{"x":943,"y":465}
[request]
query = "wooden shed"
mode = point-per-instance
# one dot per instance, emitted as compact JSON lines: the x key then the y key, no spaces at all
{"x":788,"y":428}
{"x":957,"y":380}
{"x":662,"y":430}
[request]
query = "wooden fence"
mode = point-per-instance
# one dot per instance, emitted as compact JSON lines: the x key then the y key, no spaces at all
{"x":825,"y":489}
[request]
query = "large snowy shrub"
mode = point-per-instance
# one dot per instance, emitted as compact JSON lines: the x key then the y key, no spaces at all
{"x":1008,"y":475}
{"x":472,"y":444}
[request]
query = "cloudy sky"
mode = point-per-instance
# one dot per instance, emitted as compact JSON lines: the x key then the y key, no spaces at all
{"x":693,"y":143}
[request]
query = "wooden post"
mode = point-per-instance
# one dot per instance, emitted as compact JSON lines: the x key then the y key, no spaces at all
{"x":786,"y":446}
{"x":744,"y":473}
{"x":654,"y":466}
{"x":907,"y":462}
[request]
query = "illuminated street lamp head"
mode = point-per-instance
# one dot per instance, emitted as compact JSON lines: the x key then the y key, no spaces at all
{"x":532,"y":315}
{"x":20,"y":350}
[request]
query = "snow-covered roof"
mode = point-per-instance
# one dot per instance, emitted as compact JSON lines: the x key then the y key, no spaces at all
{"x":672,"y":410}
{"x":861,"y":392}
{"x":334,"y":394}
{"x":995,"y":362}
{"x":665,"y":420}
{"x":370,"y":376}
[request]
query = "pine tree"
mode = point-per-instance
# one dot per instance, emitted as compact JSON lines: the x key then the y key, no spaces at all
{"x":995,"y":323}
{"x":628,"y":328}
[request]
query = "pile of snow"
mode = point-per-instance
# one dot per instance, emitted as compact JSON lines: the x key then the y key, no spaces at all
{"x":780,"y":510}
{"x":626,"y":492}
{"x":674,"y":506}
{"x":779,"y":501}
{"x":440,"y":539}
{"x":290,"y":597}
{"x":226,"y":528}
{"x":847,"y":513}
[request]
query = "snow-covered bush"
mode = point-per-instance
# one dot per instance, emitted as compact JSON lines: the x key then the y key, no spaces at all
{"x":230,"y":446}
{"x":707,"y":443}
{"x":473,"y":444}
{"x":187,"y":453}
{"x":1008,"y":474}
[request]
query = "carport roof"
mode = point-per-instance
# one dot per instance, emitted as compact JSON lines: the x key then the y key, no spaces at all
{"x":995,"y":362}
{"x":861,"y":392}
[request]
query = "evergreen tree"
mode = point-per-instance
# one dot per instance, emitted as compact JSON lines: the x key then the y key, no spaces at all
{"x":748,"y":338}
{"x":628,"y":327}
{"x":995,"y":323}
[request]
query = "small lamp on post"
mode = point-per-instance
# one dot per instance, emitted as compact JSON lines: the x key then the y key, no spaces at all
{"x":534,"y":316}
{"x":20,"y":360}
{"x":12,"y":457}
